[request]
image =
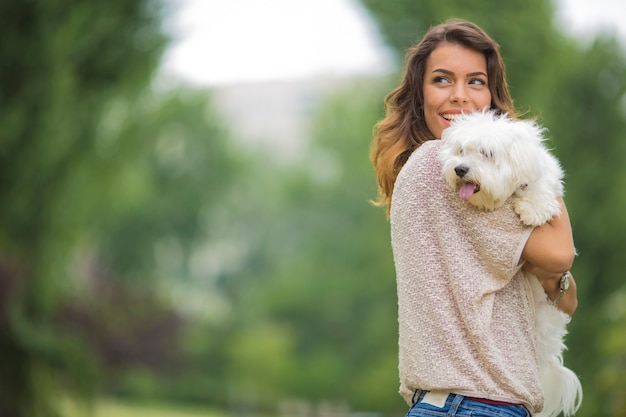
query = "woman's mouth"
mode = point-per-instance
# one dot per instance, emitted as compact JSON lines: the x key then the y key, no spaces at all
{"x":449,"y":116}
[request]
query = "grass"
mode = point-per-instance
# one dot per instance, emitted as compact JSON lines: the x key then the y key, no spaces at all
{"x":115,"y":408}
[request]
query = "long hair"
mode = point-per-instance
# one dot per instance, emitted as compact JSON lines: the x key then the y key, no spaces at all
{"x":403,"y":129}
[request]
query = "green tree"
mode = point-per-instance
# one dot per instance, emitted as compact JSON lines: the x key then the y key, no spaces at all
{"x":63,"y":62}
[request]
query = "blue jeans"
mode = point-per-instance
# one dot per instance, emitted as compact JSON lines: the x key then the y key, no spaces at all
{"x":458,"y":405}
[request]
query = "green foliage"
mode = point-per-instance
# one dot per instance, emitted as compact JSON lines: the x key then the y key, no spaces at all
{"x":98,"y":177}
{"x":61,"y":62}
{"x":106,"y":407}
{"x":261,"y":358}
{"x":168,"y":167}
{"x":586,"y":122}
{"x":333,"y":284}
{"x":169,"y":161}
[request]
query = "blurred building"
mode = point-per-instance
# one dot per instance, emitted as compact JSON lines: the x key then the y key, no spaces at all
{"x":275,"y":114}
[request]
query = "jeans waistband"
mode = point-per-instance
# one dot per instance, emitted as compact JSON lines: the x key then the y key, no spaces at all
{"x":418,"y":394}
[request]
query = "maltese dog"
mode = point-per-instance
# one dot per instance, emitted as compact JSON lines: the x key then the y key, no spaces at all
{"x":488,"y":158}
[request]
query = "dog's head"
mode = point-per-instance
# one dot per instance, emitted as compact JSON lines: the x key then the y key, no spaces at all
{"x":486,"y":157}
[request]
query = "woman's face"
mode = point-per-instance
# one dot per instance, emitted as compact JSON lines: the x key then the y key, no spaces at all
{"x":455,"y":81}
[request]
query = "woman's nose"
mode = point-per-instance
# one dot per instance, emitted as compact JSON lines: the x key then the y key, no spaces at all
{"x":459,"y":94}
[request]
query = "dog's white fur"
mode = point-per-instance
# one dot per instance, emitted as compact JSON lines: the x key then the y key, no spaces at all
{"x":504,"y":157}
{"x":489,"y":158}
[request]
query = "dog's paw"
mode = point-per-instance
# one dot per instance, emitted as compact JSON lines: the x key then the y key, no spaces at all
{"x":531,"y":214}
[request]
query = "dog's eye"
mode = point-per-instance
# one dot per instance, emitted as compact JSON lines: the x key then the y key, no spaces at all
{"x":486,"y":153}
{"x":460,"y":152}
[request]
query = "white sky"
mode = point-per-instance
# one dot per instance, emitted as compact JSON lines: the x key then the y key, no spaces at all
{"x":220,"y":42}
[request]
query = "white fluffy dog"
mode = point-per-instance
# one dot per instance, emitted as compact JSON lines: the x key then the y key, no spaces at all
{"x":488,"y":158}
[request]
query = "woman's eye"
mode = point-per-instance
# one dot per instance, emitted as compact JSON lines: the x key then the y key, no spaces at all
{"x":441,"y":80}
{"x":478,"y":81}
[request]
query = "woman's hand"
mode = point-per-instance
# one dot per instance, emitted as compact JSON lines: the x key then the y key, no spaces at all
{"x":551,"y":283}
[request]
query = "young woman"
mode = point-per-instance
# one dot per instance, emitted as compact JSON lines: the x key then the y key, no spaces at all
{"x":465,"y":313}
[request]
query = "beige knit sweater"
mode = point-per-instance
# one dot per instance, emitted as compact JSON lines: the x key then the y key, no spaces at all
{"x":465,"y":312}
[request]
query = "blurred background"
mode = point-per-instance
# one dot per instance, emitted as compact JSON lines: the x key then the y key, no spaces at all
{"x":185,"y":226}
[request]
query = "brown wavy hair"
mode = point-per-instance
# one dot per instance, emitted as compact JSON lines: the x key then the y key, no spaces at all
{"x":403,"y":129}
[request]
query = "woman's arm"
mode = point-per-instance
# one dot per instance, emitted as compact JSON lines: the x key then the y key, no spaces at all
{"x":550,"y":247}
{"x":549,"y":253}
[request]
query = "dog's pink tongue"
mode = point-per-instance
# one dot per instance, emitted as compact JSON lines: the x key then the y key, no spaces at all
{"x":467,"y":190}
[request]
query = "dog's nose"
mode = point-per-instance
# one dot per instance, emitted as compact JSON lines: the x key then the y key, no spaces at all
{"x":461,"y":170}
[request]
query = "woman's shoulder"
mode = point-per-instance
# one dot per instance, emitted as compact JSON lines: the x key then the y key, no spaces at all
{"x":426,"y":150}
{"x":423,"y":157}
{"x":430,"y":146}
{"x":422,"y":171}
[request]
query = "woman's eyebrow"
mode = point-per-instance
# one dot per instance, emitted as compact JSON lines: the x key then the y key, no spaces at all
{"x":471,"y":74}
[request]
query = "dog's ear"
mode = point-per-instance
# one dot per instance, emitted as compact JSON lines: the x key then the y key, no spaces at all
{"x":527,"y":149}
{"x":530,"y":131}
